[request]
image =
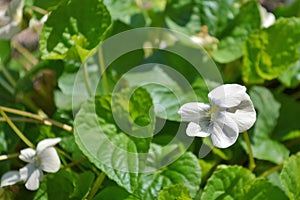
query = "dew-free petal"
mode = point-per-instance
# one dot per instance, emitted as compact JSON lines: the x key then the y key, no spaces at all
{"x":10,"y":178}
{"x":33,"y":181}
{"x":27,"y":155}
{"x":49,"y":160}
{"x":193,"y":111}
{"x":244,"y":115}
{"x":228,"y":95}
{"x":224,"y":131}
{"x":26,"y":171}
{"x":42,"y":145}
{"x":194,"y":130}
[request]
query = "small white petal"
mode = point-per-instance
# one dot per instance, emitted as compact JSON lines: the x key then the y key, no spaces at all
{"x":267,"y":18}
{"x":33,"y":182}
{"x":49,"y":160}
{"x":27,"y":155}
{"x":10,"y":178}
{"x":193,"y":111}
{"x":194,"y":130}
{"x":227,"y":95}
{"x":42,"y":145}
{"x":224,"y":131}
{"x":26,"y":171}
{"x":244,"y":114}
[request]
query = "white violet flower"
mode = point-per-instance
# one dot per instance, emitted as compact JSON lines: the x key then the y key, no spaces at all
{"x":44,"y":158}
{"x":230,"y":112}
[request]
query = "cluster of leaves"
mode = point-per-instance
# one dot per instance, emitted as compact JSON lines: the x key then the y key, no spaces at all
{"x":100,"y":160}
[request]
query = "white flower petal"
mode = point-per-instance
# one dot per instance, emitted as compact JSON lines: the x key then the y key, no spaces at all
{"x":244,"y":114}
{"x":33,"y":182}
{"x":49,"y":160}
{"x":224,"y":131}
{"x":42,"y":145}
{"x":227,"y":95}
{"x":26,"y":171}
{"x":193,"y":111}
{"x":267,"y":18}
{"x":10,"y":178}
{"x":27,"y":155}
{"x":194,"y":130}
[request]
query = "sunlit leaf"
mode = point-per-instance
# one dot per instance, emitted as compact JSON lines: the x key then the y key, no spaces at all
{"x":290,"y":176}
{"x":227,"y":183}
{"x":71,"y":31}
{"x":266,"y":55}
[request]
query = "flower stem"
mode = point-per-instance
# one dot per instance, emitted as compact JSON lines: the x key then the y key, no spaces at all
{"x":102,"y":70}
{"x":86,"y":79}
{"x":45,"y":121}
{"x":33,"y":60}
{"x":251,"y":158}
{"x":9,"y":156}
{"x":76,"y":162}
{"x":96,"y":186}
{"x":16,"y":130}
{"x":270,"y":171}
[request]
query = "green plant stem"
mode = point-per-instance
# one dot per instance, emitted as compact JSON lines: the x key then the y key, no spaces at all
{"x":9,"y":78}
{"x":96,"y":186}
{"x":102,"y":70}
{"x":251,"y":158}
{"x":38,"y":10}
{"x":16,"y":130}
{"x":270,"y":171}
{"x":33,"y":60}
{"x":20,"y":119}
{"x":45,"y":121}
{"x":76,"y":162}
{"x":9,"y":156}
{"x":6,"y":86}
{"x":63,"y":153}
{"x":86,"y":79}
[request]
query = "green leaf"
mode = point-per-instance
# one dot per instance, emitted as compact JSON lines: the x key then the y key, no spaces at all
{"x":185,"y":170}
{"x":188,"y":16}
{"x":165,"y":91}
{"x":5,"y":51}
{"x":175,"y":192}
{"x":288,"y":123}
{"x":167,"y":94}
{"x":48,"y":5}
{"x":266,"y":55}
{"x":268,"y":113}
{"x":83,"y":184}
{"x":71,"y":31}
{"x":126,"y":11}
{"x":41,"y":194}
{"x":290,"y":176}
{"x":227,"y":183}
{"x":262,"y":189}
{"x":109,"y":148}
{"x":236,"y":32}
{"x":60,"y":185}
{"x":111,"y":193}
{"x":290,"y":77}
{"x":268,"y":110}
{"x":289,"y":10}
{"x":92,"y":134}
{"x":73,"y":90}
